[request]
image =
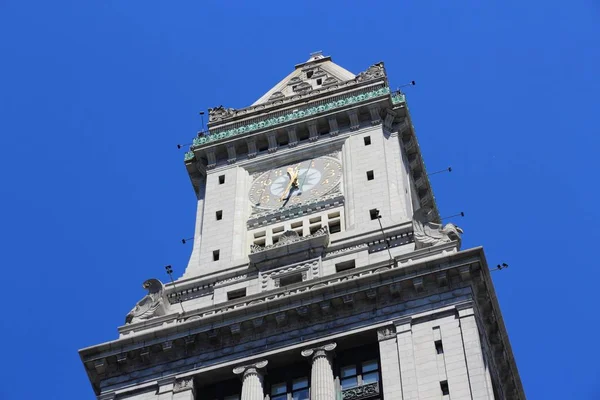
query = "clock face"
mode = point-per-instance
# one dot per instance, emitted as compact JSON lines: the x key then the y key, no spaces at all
{"x":296,"y":183}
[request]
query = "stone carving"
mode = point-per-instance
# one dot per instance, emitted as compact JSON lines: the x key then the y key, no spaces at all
{"x":275,"y":275}
{"x":286,"y":238}
{"x":243,"y":369}
{"x":428,"y":233}
{"x":316,"y":351}
{"x":360,"y":392}
{"x":219,"y":113}
{"x":303,"y":87}
{"x":386,"y":332}
{"x":375,"y":71}
{"x":152,"y":305}
{"x":183,"y":384}
{"x":276,"y":95}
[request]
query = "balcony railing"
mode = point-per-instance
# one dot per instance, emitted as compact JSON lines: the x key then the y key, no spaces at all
{"x":361,"y":392}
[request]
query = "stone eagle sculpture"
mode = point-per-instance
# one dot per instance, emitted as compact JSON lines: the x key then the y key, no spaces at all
{"x":428,"y":233}
{"x":154,"y":304}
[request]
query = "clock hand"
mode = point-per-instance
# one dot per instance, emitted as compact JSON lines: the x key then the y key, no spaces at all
{"x":290,"y":172}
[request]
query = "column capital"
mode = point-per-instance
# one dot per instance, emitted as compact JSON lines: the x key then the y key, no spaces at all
{"x":250,"y":368}
{"x":319,"y":350}
{"x":386,"y":332}
{"x":465,"y":309}
{"x":403,"y":325}
{"x":183,"y":384}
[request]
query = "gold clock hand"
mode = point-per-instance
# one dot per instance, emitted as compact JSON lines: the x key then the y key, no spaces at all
{"x":290,"y":172}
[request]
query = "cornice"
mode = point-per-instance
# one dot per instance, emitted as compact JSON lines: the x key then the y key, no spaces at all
{"x":279,"y":118}
{"x":407,"y":280}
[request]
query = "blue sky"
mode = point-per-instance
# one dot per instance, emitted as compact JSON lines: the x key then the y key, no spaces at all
{"x":95,"y":95}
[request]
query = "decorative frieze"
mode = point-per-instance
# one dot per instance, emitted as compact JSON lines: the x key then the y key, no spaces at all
{"x":361,"y":392}
{"x":342,"y":101}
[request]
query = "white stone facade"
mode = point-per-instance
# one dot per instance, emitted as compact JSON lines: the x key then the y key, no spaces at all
{"x":317,"y":297}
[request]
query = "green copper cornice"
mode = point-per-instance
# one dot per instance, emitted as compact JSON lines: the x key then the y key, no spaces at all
{"x":306,"y":112}
{"x":398,"y":98}
{"x":189,"y":155}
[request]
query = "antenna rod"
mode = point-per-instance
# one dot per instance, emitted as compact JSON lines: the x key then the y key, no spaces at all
{"x":184,"y":241}
{"x":499,"y":267}
{"x":449,"y":169}
{"x":170,"y":273}
{"x":460,"y":214}
{"x":202,"y":116}
{"x":387,"y":240}
{"x":179,"y":146}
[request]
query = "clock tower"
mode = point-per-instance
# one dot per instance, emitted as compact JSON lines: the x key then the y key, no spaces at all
{"x":320,"y":268}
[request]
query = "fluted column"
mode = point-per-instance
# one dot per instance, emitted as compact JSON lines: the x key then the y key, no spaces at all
{"x":322,"y":385}
{"x":252,"y":380}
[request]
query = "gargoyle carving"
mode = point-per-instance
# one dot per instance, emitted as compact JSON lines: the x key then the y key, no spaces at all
{"x":428,"y":233}
{"x":154,"y":304}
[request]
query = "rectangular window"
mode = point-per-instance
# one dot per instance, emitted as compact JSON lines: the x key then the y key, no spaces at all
{"x":370,"y":175}
{"x":219,"y":215}
{"x":367,"y":140}
{"x":370,"y":372}
{"x":335,"y":226}
{"x":300,"y":389}
{"x":344,"y":266}
{"x":374,"y":213}
{"x":439,"y":348}
{"x":221,"y":179}
{"x":364,"y":373}
{"x":349,"y":377}
{"x":216,"y":255}
{"x":236,"y":294}
{"x":279,"y":391}
{"x":445,"y":388}
{"x":290,"y":279}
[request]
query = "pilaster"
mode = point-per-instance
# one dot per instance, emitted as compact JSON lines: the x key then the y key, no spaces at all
{"x":390,"y":364}
{"x":406,"y":356}
{"x":473,"y":352}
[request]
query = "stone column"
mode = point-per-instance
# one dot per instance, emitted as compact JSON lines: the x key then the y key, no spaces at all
{"x":322,"y":385}
{"x":252,"y":380}
{"x":390,"y":365}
